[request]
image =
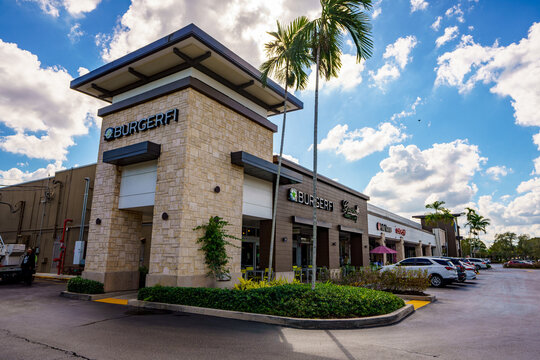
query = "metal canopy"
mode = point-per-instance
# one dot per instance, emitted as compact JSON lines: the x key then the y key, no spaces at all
{"x":131,"y":154}
{"x":263,"y":169}
{"x":189,"y":47}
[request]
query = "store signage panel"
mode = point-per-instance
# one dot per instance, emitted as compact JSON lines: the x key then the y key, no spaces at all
{"x":300,"y":197}
{"x":384,"y":227}
{"x":148,"y":123}
{"x":350,"y":212}
{"x":401,"y":232}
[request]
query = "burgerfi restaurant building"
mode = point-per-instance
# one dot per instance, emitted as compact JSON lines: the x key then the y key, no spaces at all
{"x":186,"y":137}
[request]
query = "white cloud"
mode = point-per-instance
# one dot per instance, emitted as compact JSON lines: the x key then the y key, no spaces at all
{"x":411,"y":177}
{"x":398,"y":56}
{"x":536,"y":140}
{"x":417,"y":5}
{"x":496,"y":172}
{"x":37,"y":104}
{"x":359,"y":143}
{"x":244,"y":29}
{"x":437,"y":23}
{"x":82,"y":71}
{"x":515,"y":70}
{"x":471,"y":28}
{"x":73,"y":7}
{"x":349,"y":77}
{"x":519,"y":213}
{"x":75,"y":33}
{"x":450,"y":33}
{"x":536,"y":163}
{"x":404,"y":113}
{"x":289,"y":157}
{"x":457,"y":12}
{"x":14,"y":175}
{"x":400,"y":50}
{"x":385,"y":74}
{"x":376,"y":9}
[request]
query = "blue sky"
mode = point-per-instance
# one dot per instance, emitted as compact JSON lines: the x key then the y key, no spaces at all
{"x":445,"y":109}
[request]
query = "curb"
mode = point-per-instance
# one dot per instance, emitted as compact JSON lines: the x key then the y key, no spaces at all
{"x":329,"y":324}
{"x":53,"y":276}
{"x":430,"y":298}
{"x":91,"y":297}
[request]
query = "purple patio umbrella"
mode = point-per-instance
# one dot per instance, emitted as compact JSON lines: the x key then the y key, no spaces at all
{"x":383,"y":250}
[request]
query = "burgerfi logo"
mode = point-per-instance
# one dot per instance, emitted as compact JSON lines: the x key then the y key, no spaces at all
{"x":109,"y":133}
{"x":293,"y":195}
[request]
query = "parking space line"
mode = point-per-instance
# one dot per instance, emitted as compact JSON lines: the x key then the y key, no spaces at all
{"x":417,"y":303}
{"x":113,"y":301}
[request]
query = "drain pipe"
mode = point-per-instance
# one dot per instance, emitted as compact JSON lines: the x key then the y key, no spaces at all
{"x":83,"y":215}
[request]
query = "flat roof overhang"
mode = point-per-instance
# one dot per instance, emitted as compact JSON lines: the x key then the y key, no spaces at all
{"x":263,"y":169}
{"x":189,"y":47}
{"x":132,"y":154}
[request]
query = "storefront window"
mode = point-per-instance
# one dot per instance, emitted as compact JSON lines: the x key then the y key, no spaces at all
{"x":344,"y":249}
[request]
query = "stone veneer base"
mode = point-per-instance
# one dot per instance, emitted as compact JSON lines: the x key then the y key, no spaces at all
{"x":115,"y":280}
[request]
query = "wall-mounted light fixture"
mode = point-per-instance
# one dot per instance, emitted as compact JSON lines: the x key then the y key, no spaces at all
{"x":217,"y":189}
{"x":165,"y":216}
{"x":333,"y":244}
{"x":98,"y":221}
{"x":285,"y":239}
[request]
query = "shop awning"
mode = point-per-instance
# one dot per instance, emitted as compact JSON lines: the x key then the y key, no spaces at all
{"x":131,"y":154}
{"x":306,"y":221}
{"x":263,"y":169}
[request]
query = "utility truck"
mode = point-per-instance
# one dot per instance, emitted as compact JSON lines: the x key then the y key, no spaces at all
{"x":10,"y":261}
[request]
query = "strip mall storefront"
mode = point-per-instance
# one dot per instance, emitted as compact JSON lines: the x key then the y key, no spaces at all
{"x":404,"y":236}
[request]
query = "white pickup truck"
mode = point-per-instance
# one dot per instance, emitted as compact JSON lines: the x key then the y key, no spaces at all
{"x":10,"y":261}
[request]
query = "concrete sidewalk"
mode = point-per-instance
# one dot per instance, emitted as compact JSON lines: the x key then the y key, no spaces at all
{"x":51,"y":276}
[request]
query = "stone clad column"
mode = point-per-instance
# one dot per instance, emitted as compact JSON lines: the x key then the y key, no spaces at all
{"x":418,"y":249}
{"x":428,"y":250}
{"x":382,"y":242}
{"x":400,"y":248}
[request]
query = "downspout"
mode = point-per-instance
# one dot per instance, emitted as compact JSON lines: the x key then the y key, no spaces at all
{"x":83,"y":214}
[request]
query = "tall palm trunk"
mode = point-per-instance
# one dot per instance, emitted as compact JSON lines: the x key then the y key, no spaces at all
{"x":276,"y":191}
{"x":315,"y":126}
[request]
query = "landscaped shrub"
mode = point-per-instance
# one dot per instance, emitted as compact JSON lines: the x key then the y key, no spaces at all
{"x":536,"y":265}
{"x":85,"y":286}
{"x":250,"y":284}
{"x":398,"y":280}
{"x":326,"y":301}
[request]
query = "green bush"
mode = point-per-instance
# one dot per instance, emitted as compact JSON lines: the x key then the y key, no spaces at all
{"x":536,"y":265}
{"x":398,"y":280}
{"x":85,"y":286}
{"x":250,"y":284}
{"x":326,"y":301}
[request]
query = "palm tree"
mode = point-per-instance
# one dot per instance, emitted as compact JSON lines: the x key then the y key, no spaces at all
{"x":440,"y":214}
{"x":476,"y":223}
{"x":325,"y":36}
{"x":287,"y":59}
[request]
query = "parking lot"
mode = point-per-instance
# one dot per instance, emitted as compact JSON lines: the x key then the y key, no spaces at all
{"x":494,"y":317}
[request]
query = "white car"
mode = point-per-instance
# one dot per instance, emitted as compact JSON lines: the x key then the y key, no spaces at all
{"x":441,"y":271}
{"x":479,"y":263}
{"x":470,"y":271}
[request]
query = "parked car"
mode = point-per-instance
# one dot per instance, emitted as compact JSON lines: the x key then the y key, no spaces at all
{"x":441,"y":271}
{"x":470,"y":270}
{"x":515,"y":261}
{"x":479,"y":263}
{"x":462,"y":276}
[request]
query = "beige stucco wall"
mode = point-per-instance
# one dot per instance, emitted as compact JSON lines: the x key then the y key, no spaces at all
{"x":195,"y":158}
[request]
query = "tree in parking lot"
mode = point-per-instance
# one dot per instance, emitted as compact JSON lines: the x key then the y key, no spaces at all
{"x":440,"y":214}
{"x":503,"y":247}
{"x":474,"y":246}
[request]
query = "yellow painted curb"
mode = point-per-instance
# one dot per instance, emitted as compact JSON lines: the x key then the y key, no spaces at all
{"x":113,"y":301}
{"x":417,"y":303}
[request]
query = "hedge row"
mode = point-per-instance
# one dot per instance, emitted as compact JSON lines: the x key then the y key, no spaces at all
{"x":326,"y":301}
{"x":536,"y":265}
{"x":397,"y":280}
{"x":84,"y":286}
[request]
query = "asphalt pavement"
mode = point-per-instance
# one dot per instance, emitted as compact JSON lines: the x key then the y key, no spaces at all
{"x":494,"y":317}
